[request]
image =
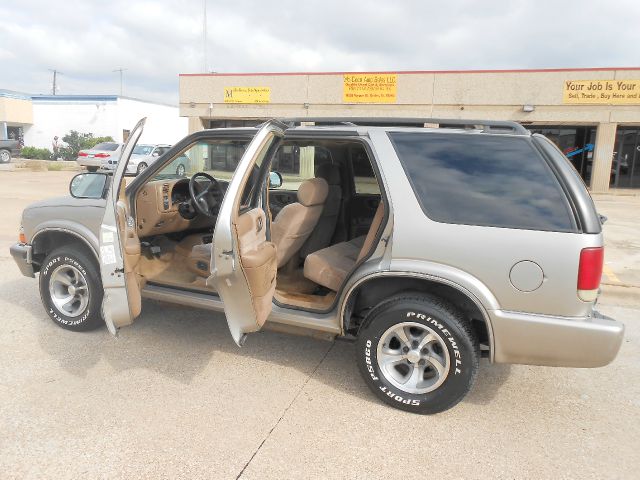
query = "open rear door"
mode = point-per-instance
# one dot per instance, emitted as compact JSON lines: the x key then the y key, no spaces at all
{"x":122,"y":298}
{"x":243,"y":260}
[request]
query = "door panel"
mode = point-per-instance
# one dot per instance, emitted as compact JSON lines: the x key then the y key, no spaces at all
{"x":243,"y":261}
{"x":362,"y":209}
{"x":118,"y":250}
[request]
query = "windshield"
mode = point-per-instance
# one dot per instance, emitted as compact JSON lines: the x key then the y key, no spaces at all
{"x":219,"y":158}
{"x":107,"y":146}
{"x":143,"y":150}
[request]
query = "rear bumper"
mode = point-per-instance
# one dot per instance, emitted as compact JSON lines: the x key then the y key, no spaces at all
{"x":21,"y":253}
{"x":555,"y":341}
{"x":89,"y":162}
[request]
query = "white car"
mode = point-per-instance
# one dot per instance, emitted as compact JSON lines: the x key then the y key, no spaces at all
{"x":141,"y":158}
{"x":99,"y":156}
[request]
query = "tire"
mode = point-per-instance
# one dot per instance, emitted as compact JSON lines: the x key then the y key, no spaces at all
{"x":5,"y":156}
{"x":69,"y":265}
{"x":141,"y":168}
{"x":449,"y":357}
{"x":180,"y":170}
{"x":92,"y":169}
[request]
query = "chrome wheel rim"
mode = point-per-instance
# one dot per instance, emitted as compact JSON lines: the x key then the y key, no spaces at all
{"x":180,"y":170}
{"x":413,"y":357}
{"x":142,"y":167}
{"x":4,"y":156}
{"x":68,"y":290}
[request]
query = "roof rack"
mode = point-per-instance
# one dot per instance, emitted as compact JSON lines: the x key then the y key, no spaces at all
{"x":489,"y":126}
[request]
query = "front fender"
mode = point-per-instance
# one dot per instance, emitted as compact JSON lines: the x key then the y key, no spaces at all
{"x":77,"y":230}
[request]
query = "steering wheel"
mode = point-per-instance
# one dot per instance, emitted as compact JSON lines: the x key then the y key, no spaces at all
{"x":205,"y":198}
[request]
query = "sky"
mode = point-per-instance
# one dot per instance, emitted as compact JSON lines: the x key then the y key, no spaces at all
{"x":155,"y":41}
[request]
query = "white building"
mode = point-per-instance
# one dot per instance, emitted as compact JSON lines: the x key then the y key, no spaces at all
{"x":101,"y":115}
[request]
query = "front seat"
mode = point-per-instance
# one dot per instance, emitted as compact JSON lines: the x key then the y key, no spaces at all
{"x":289,"y":230}
{"x":295,"y":222}
{"x":326,"y":226}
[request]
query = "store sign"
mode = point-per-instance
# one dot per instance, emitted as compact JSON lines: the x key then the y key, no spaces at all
{"x":247,"y":94}
{"x":370,"y":88}
{"x":616,"y":92}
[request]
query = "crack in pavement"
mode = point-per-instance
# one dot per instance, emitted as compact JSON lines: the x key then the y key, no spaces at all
{"x":295,"y":397}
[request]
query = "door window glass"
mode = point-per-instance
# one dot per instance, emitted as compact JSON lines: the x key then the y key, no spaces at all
{"x":298,"y":163}
{"x":363,"y":177}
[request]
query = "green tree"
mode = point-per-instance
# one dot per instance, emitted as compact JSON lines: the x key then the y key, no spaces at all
{"x":77,"y":141}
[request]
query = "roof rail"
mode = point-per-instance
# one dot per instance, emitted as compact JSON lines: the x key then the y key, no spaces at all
{"x":488,"y":126}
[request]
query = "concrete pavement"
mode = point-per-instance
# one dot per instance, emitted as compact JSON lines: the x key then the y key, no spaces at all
{"x":173,"y":397}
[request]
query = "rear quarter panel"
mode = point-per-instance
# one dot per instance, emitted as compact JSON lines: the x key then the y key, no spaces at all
{"x":486,"y":253}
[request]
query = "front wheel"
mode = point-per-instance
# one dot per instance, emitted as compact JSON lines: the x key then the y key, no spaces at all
{"x":417,"y":353}
{"x":141,"y":168}
{"x":180,"y":170}
{"x":71,"y":290}
{"x":5,"y":156}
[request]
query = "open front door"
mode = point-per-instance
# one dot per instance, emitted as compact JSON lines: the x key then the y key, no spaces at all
{"x":243,"y":260}
{"x":122,"y":297}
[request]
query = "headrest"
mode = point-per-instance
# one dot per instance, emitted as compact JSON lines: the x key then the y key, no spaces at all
{"x":313,"y":192}
{"x":330,"y":172}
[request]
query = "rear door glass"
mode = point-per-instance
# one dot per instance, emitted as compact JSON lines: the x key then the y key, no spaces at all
{"x":478,"y":179}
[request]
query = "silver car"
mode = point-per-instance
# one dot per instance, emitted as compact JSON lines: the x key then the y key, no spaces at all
{"x":429,"y":248}
{"x":99,"y":156}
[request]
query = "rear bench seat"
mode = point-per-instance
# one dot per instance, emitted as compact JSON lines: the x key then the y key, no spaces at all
{"x":330,"y":266}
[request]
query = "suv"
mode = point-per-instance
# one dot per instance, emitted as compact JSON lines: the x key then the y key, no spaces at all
{"x":428,"y":247}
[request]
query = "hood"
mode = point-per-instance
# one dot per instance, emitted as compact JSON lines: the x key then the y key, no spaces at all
{"x":67,"y":201}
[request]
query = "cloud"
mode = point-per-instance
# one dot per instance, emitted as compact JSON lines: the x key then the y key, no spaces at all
{"x":157,"y":40}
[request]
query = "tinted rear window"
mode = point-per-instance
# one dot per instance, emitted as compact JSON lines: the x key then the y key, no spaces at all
{"x":483,"y":180}
{"x":109,"y":147}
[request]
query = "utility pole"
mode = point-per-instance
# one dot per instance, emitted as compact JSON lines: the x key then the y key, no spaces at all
{"x":54,"y":86}
{"x":204,"y":34}
{"x":120,"y":70}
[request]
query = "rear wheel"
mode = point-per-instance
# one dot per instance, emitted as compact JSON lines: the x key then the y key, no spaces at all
{"x":5,"y":156}
{"x":180,"y":170}
{"x":92,"y":169}
{"x":71,"y":289}
{"x":417,"y":353}
{"x":141,"y":168}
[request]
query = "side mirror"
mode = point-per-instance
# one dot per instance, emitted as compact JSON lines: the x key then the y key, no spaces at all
{"x":275,"y":180}
{"x":155,"y":154}
{"x":88,"y":185}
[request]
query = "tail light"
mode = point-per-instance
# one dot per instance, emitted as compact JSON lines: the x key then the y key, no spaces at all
{"x":590,"y":273}
{"x":82,"y":154}
{"x":102,"y":155}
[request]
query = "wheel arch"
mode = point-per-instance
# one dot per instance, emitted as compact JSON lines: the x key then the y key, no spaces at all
{"x":371,"y":289}
{"x":46,"y":239}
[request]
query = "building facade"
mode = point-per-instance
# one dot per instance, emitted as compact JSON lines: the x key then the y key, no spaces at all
{"x":38,"y":119}
{"x":593,"y":115}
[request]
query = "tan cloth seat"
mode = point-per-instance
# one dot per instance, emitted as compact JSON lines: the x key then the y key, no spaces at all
{"x":289,"y":230}
{"x":295,"y":222}
{"x":330,"y":266}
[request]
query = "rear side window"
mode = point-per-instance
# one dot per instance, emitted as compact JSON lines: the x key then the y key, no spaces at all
{"x":483,"y":180}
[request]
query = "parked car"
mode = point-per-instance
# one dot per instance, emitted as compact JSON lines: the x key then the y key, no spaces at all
{"x":141,"y":158}
{"x":7,"y":149}
{"x":429,"y":248}
{"x":99,"y":156}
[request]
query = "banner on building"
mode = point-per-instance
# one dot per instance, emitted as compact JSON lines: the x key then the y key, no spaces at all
{"x":370,"y":88}
{"x":613,"y":92}
{"x":247,"y":94}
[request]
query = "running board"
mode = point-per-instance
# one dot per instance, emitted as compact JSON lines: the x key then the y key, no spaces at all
{"x":183,"y":297}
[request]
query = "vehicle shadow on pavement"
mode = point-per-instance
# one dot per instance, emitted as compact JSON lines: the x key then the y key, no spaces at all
{"x":180,"y":342}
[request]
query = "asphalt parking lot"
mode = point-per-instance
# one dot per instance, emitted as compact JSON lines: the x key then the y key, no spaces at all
{"x":173,"y":396}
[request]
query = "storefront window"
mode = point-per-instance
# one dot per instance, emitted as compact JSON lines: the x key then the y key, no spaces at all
{"x":625,"y":168}
{"x":576,"y":142}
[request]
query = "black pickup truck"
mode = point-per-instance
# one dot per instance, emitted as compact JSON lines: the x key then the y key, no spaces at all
{"x":8,"y":148}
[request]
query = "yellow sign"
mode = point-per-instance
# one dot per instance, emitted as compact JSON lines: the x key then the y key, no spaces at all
{"x":370,"y":88}
{"x":247,"y":94}
{"x":617,"y":92}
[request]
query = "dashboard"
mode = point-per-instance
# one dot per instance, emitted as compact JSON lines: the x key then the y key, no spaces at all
{"x":157,"y":208}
